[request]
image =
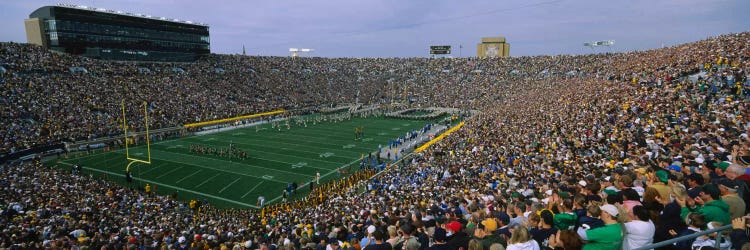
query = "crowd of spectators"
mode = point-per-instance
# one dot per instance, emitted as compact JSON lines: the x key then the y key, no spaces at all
{"x":602,"y":151}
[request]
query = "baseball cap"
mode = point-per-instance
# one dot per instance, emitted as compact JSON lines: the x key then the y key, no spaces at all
{"x":675,"y":168}
{"x":728,"y":184}
{"x":489,"y":224}
{"x":662,"y":175}
{"x":454,"y":226}
{"x":610,"y":209}
{"x":722,"y":165}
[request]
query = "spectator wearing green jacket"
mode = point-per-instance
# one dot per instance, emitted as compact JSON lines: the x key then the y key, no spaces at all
{"x":709,"y":205}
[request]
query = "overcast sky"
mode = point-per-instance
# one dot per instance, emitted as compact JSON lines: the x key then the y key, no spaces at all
{"x":403,"y":28}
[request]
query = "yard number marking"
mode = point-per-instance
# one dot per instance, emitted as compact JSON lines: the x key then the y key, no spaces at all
{"x":299,"y":164}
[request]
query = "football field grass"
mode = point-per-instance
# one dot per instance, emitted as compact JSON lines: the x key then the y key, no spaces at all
{"x":275,"y":159}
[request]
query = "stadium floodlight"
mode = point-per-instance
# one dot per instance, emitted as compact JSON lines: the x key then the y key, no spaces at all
{"x":296,"y":51}
{"x":592,"y":45}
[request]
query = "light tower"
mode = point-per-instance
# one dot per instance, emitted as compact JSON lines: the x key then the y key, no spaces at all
{"x":296,"y":51}
{"x":607,"y":43}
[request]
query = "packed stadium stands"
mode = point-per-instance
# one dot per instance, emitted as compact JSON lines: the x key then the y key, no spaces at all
{"x":557,"y":137}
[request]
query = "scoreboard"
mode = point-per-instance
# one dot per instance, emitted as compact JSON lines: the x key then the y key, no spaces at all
{"x":440,"y":50}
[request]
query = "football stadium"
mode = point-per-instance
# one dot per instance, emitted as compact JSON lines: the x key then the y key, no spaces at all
{"x":123,"y":130}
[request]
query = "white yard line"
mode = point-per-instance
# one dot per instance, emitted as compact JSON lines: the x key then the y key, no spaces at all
{"x":225,"y":188}
{"x":248,"y":192}
{"x":151,"y":169}
{"x":206,"y":181}
{"x":172,"y":171}
{"x":194,"y":173}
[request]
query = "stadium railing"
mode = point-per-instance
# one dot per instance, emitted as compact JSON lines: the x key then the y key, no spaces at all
{"x":717,"y":230}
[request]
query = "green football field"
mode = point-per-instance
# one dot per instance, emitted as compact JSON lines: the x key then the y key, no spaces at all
{"x":275,"y":159}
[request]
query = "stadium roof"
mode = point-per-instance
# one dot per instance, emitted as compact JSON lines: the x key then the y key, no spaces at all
{"x":123,"y":13}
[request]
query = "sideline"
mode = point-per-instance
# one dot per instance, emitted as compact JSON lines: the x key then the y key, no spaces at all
{"x":440,"y":137}
{"x":198,"y":124}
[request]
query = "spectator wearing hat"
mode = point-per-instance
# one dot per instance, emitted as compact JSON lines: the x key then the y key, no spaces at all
{"x":457,"y":238}
{"x":483,"y":233}
{"x":609,"y":236}
{"x":728,"y":190}
{"x":198,"y":242}
{"x":737,"y":173}
{"x":709,"y":204}
{"x":720,"y":169}
{"x":659,"y":182}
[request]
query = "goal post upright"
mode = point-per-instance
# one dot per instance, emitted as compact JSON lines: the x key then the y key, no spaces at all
{"x":148,"y":142}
